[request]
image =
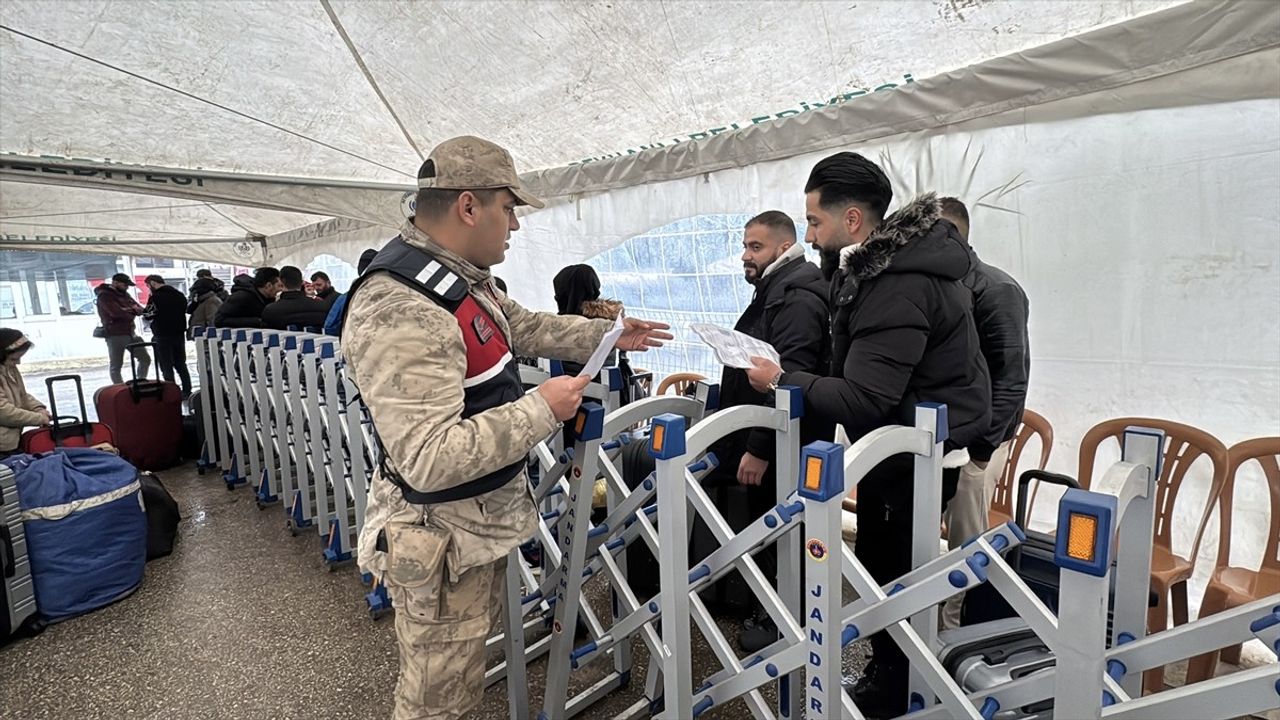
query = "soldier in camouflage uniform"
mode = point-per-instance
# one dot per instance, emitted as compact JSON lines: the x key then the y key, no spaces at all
{"x":431,"y":342}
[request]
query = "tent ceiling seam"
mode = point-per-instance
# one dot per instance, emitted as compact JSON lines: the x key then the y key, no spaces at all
{"x":100,"y":212}
{"x":206,"y":101}
{"x":368,"y":75}
{"x":228,"y":218}
{"x":108,"y":229}
{"x":675,"y":47}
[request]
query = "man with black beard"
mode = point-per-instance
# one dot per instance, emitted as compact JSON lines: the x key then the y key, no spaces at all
{"x":902,"y":334}
{"x":788,"y":311}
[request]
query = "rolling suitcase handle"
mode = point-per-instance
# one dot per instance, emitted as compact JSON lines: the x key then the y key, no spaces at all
{"x":61,"y":431}
{"x":143,"y":388}
{"x":1042,"y":476}
{"x":9,"y":565}
{"x":1015,"y":555}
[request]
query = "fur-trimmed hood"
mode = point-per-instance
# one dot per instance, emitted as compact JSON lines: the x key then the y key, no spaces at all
{"x":602,"y":309}
{"x":914,"y":239}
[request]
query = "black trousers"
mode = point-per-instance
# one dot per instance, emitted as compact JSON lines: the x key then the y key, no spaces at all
{"x":171,"y":356}
{"x":884,"y":546}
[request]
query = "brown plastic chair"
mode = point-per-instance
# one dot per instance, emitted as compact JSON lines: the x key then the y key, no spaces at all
{"x":1231,"y":587}
{"x":679,"y":382}
{"x":1004,"y":500}
{"x":1169,"y":571}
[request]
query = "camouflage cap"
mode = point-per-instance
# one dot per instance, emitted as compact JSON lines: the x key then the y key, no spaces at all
{"x":470,"y":163}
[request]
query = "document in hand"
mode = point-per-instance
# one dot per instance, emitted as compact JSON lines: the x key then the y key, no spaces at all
{"x":598,"y":358}
{"x":733,"y":348}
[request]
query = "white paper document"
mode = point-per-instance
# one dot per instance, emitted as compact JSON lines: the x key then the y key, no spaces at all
{"x":598,"y":358}
{"x":733,"y":348}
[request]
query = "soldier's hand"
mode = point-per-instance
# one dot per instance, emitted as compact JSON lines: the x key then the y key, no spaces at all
{"x":564,"y":395}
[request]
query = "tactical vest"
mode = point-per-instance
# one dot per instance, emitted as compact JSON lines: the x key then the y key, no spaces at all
{"x":492,"y":377}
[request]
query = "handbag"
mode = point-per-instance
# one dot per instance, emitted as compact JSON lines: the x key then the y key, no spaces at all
{"x":100,"y":332}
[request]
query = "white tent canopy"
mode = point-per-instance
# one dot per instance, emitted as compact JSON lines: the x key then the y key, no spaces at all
{"x":240,"y":125}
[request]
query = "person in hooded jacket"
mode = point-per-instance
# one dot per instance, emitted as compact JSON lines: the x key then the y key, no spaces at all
{"x":206,"y":296}
{"x":167,"y":311}
{"x":249,"y":297}
{"x":18,"y":409}
{"x":902,"y":333}
{"x":293,"y":307}
{"x":577,"y":291}
{"x":206,"y":283}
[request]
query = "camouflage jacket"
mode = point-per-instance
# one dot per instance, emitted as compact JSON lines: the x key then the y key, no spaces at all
{"x":407,"y":356}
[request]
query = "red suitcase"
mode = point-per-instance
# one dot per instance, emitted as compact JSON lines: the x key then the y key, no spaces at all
{"x":66,"y":430}
{"x":146,"y":418}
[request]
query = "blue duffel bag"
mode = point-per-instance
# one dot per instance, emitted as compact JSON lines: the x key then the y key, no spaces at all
{"x":86,"y":529}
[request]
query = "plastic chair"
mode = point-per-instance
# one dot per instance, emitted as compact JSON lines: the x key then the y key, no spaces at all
{"x":1169,"y":571}
{"x":1003,"y":500}
{"x":1229,"y":586}
{"x":679,"y":382}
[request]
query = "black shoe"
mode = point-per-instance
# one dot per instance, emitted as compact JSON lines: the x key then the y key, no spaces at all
{"x":758,"y":635}
{"x":881,"y":692}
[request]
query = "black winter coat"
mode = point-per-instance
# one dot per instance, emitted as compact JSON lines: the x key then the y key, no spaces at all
{"x":788,"y":311}
{"x":903,"y":333}
{"x":1000,"y":311}
{"x":293,"y":307}
{"x":243,"y":309}
{"x":167,"y":310}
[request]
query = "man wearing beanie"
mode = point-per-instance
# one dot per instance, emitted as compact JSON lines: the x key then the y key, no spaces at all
{"x":116,"y":311}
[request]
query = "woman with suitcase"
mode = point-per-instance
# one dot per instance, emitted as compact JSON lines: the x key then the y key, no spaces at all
{"x":18,"y":409}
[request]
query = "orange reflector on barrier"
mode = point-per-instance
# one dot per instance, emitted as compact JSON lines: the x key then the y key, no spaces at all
{"x":1082,"y":535}
{"x":582,"y":422}
{"x":813,"y":474}
{"x":658,"y":433}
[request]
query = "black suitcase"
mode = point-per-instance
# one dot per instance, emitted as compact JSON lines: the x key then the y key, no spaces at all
{"x":18,"y":616}
{"x":642,"y":566}
{"x":162,"y":516}
{"x":1033,"y":561}
{"x":206,"y":448}
{"x":730,"y":595}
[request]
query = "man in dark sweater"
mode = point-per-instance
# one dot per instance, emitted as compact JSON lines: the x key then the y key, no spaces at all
{"x":1000,"y":311}
{"x":293,"y":307}
{"x":902,"y":334}
{"x":167,"y":310}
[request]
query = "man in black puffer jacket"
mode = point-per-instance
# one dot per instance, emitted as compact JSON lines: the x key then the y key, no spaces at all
{"x":249,"y":297}
{"x":902,"y":333}
{"x":293,"y":307}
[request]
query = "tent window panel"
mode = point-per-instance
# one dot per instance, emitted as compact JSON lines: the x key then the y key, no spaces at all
{"x":8,"y":309}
